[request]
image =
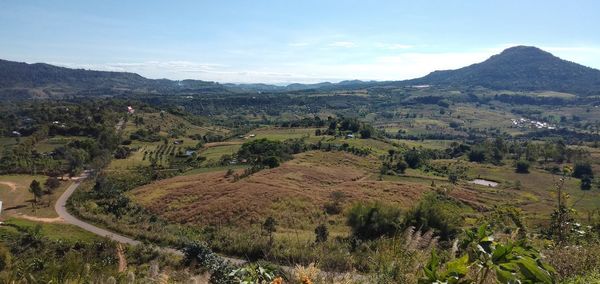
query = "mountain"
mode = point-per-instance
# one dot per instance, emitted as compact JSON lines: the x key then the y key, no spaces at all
{"x":323,"y":86}
{"x":39,"y":79}
{"x":521,"y":68}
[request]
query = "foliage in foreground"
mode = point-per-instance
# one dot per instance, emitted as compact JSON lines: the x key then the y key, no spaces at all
{"x":483,"y":259}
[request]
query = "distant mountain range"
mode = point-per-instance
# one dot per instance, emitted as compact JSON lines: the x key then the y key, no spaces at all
{"x":519,"y":68}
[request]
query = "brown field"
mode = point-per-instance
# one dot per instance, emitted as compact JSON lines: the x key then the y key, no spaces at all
{"x":296,"y":190}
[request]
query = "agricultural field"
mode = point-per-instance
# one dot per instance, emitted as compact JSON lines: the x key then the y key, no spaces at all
{"x":294,"y":193}
{"x":175,"y":136}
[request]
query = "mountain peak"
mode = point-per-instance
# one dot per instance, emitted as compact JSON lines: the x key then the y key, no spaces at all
{"x":523,"y":48}
{"x":521,"y":68}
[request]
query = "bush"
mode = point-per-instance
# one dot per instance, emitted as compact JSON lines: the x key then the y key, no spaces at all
{"x":477,"y":155}
{"x":321,"y":233}
{"x":401,"y":167}
{"x":586,"y":183}
{"x":365,"y":133}
{"x":51,"y":184}
{"x":371,"y":221}
{"x":522,"y":167}
{"x":438,"y":213}
{"x":5,"y":257}
{"x":582,"y":169}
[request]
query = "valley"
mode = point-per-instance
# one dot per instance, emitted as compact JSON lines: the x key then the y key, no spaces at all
{"x":337,"y":177}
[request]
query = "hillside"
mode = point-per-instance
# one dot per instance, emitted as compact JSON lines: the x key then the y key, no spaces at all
{"x":40,"y":79}
{"x":521,"y":68}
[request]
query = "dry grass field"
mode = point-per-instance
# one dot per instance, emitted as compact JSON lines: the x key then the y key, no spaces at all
{"x":296,"y":190}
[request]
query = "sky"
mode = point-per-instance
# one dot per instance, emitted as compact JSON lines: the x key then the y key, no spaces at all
{"x":286,"y":41}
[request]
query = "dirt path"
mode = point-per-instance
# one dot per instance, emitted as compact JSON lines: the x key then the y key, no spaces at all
{"x":11,"y":185}
{"x":121,"y":257}
{"x":40,"y":219}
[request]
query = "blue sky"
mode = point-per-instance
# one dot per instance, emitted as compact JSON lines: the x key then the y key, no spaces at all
{"x":291,"y":41}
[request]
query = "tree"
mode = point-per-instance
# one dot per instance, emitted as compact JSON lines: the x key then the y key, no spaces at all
{"x":270,"y":227}
{"x":522,"y":167}
{"x":586,"y":183}
{"x":36,"y":189}
{"x":321,"y":233}
{"x":582,"y":169}
{"x":365,"y":133}
{"x":477,"y":155}
{"x":413,"y":158}
{"x":51,"y":184}
{"x":76,"y":159}
{"x":271,"y":162}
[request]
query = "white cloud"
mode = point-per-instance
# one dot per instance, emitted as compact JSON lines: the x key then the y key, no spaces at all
{"x":343,"y":44}
{"x":298,"y":44}
{"x":393,"y":46}
{"x":395,"y":65}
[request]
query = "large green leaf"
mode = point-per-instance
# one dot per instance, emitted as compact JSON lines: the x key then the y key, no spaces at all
{"x":530,"y":269}
{"x":458,"y":267}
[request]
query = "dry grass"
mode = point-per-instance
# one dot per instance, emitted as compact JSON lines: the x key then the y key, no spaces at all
{"x":297,"y":189}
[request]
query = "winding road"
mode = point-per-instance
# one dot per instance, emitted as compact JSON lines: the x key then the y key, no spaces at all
{"x":62,"y":212}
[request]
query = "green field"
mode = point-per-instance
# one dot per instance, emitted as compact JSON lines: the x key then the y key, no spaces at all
{"x":52,"y":231}
{"x":19,"y":200}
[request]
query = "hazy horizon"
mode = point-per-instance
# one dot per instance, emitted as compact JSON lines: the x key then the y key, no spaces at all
{"x":293,"y":42}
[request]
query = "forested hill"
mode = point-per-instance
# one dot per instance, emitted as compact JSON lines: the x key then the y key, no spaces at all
{"x":39,"y":79}
{"x":521,"y":68}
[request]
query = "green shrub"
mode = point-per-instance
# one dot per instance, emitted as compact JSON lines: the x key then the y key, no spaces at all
{"x":586,"y":183}
{"x":582,"y":169}
{"x":438,"y":213}
{"x":370,"y":221}
{"x":477,"y":155}
{"x":321,"y":233}
{"x":522,"y":167}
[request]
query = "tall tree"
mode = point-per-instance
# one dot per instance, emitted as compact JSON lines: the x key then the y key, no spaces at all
{"x":36,"y":189}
